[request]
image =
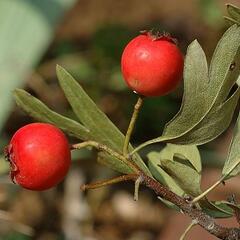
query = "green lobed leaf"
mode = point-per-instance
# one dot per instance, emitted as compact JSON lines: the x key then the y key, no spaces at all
{"x":184,"y":175}
{"x":209,"y":97}
{"x":213,"y":124}
{"x":187,"y":152}
{"x":101,"y":128}
{"x":205,"y":102}
{"x":231,"y":21}
{"x":234,"y":12}
{"x":178,"y":166}
{"x":230,"y":168}
{"x":154,"y":161}
{"x":194,"y":101}
{"x":218,"y":209}
{"x":36,"y":109}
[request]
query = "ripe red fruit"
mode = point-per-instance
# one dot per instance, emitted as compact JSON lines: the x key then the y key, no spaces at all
{"x":152,"y":65}
{"x":39,"y":156}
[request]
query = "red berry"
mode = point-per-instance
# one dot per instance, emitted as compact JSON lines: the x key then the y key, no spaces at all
{"x":152,"y":65}
{"x":39,"y":156}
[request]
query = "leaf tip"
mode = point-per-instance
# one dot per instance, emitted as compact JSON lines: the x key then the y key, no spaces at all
{"x":59,"y":68}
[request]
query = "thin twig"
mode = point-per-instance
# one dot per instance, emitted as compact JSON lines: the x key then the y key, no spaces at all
{"x":102,"y":147}
{"x":137,"y":107}
{"x":202,"y":195}
{"x":193,"y":223}
{"x":190,"y":210}
{"x":111,"y":181}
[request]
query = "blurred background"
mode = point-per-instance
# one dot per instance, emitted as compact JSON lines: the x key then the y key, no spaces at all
{"x":87,"y":38}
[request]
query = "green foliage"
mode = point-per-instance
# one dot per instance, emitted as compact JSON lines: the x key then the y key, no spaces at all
{"x":234,"y":13}
{"x":96,"y":126}
{"x":210,"y":98}
{"x":207,"y":108}
{"x":174,"y":167}
{"x":101,"y":128}
{"x":177,"y":167}
{"x":218,"y":209}
{"x":154,"y":160}
{"x":38,"y":110}
{"x":234,"y":154}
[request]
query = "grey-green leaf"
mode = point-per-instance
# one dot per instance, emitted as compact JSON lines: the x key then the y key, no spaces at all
{"x":205,"y":94}
{"x":184,"y":175}
{"x":101,"y":128}
{"x":161,"y":175}
{"x":230,"y":168}
{"x":234,"y":12}
{"x":202,"y":101}
{"x":217,"y":209}
{"x":225,"y":66}
{"x":214,"y":123}
{"x":178,"y":167}
{"x":194,"y":102}
{"x":187,"y":152}
{"x":231,"y":21}
{"x":113,"y":163}
{"x":36,"y":109}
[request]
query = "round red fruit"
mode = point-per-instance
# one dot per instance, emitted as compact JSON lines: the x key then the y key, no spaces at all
{"x":152,"y":65}
{"x":39,"y":156}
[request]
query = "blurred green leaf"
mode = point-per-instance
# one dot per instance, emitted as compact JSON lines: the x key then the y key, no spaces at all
{"x":26,"y":29}
{"x":211,"y":11}
{"x":4,"y":165}
{"x":101,"y":128}
{"x":16,"y":236}
{"x":41,"y":112}
{"x":233,"y":154}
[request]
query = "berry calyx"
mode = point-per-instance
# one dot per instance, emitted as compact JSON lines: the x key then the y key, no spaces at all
{"x":39,"y":156}
{"x":152,"y":65}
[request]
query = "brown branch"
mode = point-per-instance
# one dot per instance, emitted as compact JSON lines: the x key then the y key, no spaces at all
{"x":186,"y":206}
{"x":191,"y":210}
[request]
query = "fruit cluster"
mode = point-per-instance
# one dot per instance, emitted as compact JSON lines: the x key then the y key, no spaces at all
{"x":39,"y":153}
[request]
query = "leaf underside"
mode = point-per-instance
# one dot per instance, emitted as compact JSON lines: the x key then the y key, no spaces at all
{"x":233,"y":157}
{"x":101,"y":128}
{"x":234,"y":13}
{"x":209,"y":98}
{"x":174,"y":167}
{"x":177,"y":167}
{"x":93,"y":123}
